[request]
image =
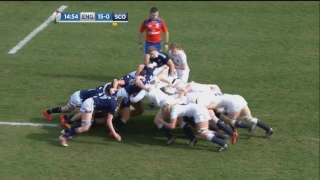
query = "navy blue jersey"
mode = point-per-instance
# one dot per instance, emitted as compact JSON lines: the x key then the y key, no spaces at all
{"x":132,"y":88}
{"x":161,"y":59}
{"x":148,"y":76}
{"x":126,"y":79}
{"x":105,"y":103}
{"x":98,"y":91}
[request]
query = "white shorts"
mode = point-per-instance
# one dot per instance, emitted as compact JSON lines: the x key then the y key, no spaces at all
{"x":75,"y":101}
{"x":159,"y":69}
{"x":123,"y":93}
{"x":183,"y":75}
{"x":87,"y":106}
{"x":201,"y":115}
{"x":236,"y":104}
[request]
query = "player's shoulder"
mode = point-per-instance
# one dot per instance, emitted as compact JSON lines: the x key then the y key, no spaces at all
{"x":161,"y":20}
{"x":147,"y":20}
{"x":163,"y":55}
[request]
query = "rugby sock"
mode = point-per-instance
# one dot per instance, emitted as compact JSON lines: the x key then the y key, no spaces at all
{"x":166,"y":132}
{"x":262,"y":125}
{"x":220,"y":136}
{"x":54,"y":110}
{"x":73,"y":131}
{"x":118,"y":124}
{"x":188,"y":131}
{"x":68,"y":118}
{"x":241,"y":124}
{"x":67,"y":130}
{"x":212,"y":128}
{"x":224,"y":128}
{"x":217,"y":141}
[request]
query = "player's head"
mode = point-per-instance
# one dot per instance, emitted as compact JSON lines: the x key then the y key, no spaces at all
{"x":152,"y":51}
{"x":154,"y":13}
{"x":110,"y":91}
{"x":174,"y":47}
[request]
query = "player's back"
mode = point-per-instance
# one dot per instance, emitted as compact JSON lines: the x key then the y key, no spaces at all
{"x":132,"y":88}
{"x":108,"y":103}
{"x":156,"y":96}
{"x":185,"y":109}
{"x":88,"y":93}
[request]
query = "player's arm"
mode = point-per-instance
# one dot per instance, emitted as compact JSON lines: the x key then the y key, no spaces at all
{"x":138,"y":97}
{"x":140,"y":69}
{"x":141,"y":85}
{"x":172,"y":124}
{"x":164,"y":28}
{"x":116,"y":83}
{"x":171,"y":67}
{"x":141,"y":30}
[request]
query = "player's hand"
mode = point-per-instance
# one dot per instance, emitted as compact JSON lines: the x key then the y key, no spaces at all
{"x":117,"y":137}
{"x":166,"y":47}
{"x":148,"y":89}
{"x":140,"y":47}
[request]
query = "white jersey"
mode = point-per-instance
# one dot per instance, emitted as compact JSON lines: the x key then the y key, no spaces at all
{"x":189,"y":97}
{"x":198,"y":112}
{"x":197,"y":87}
{"x":179,"y":60}
{"x":156,"y":96}
{"x":233,"y":103}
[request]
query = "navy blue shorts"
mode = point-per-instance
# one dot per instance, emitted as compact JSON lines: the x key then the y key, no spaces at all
{"x":125,"y":103}
{"x":157,"y":45}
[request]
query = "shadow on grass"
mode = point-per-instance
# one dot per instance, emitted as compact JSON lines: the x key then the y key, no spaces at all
{"x":138,"y":132}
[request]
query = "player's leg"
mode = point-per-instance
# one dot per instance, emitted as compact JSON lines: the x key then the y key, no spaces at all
{"x":74,"y":101}
{"x":164,"y":129}
{"x":188,"y":132}
{"x":86,"y":111}
{"x":184,"y":76}
{"x":246,"y":115}
{"x":146,"y":53}
{"x":122,"y":117}
{"x":138,"y":109}
{"x":60,"y":109}
{"x":221,"y":125}
{"x":202,"y":126}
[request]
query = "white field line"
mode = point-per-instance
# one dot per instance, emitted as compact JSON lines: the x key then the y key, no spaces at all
{"x":29,"y":124}
{"x":33,"y":33}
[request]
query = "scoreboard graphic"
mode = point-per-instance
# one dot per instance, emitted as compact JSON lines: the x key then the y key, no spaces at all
{"x":90,"y":17}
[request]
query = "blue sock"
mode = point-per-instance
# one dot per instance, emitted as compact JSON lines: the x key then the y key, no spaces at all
{"x":54,"y":110}
{"x":166,"y":132}
{"x":68,"y":118}
{"x":263,"y":126}
{"x":224,"y":128}
{"x":72,"y":132}
{"x":217,"y":141}
{"x":241,"y":124}
{"x":117,"y":124}
{"x":188,"y":131}
{"x":212,"y":128}
{"x":220,"y":136}
{"x":67,"y":130}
